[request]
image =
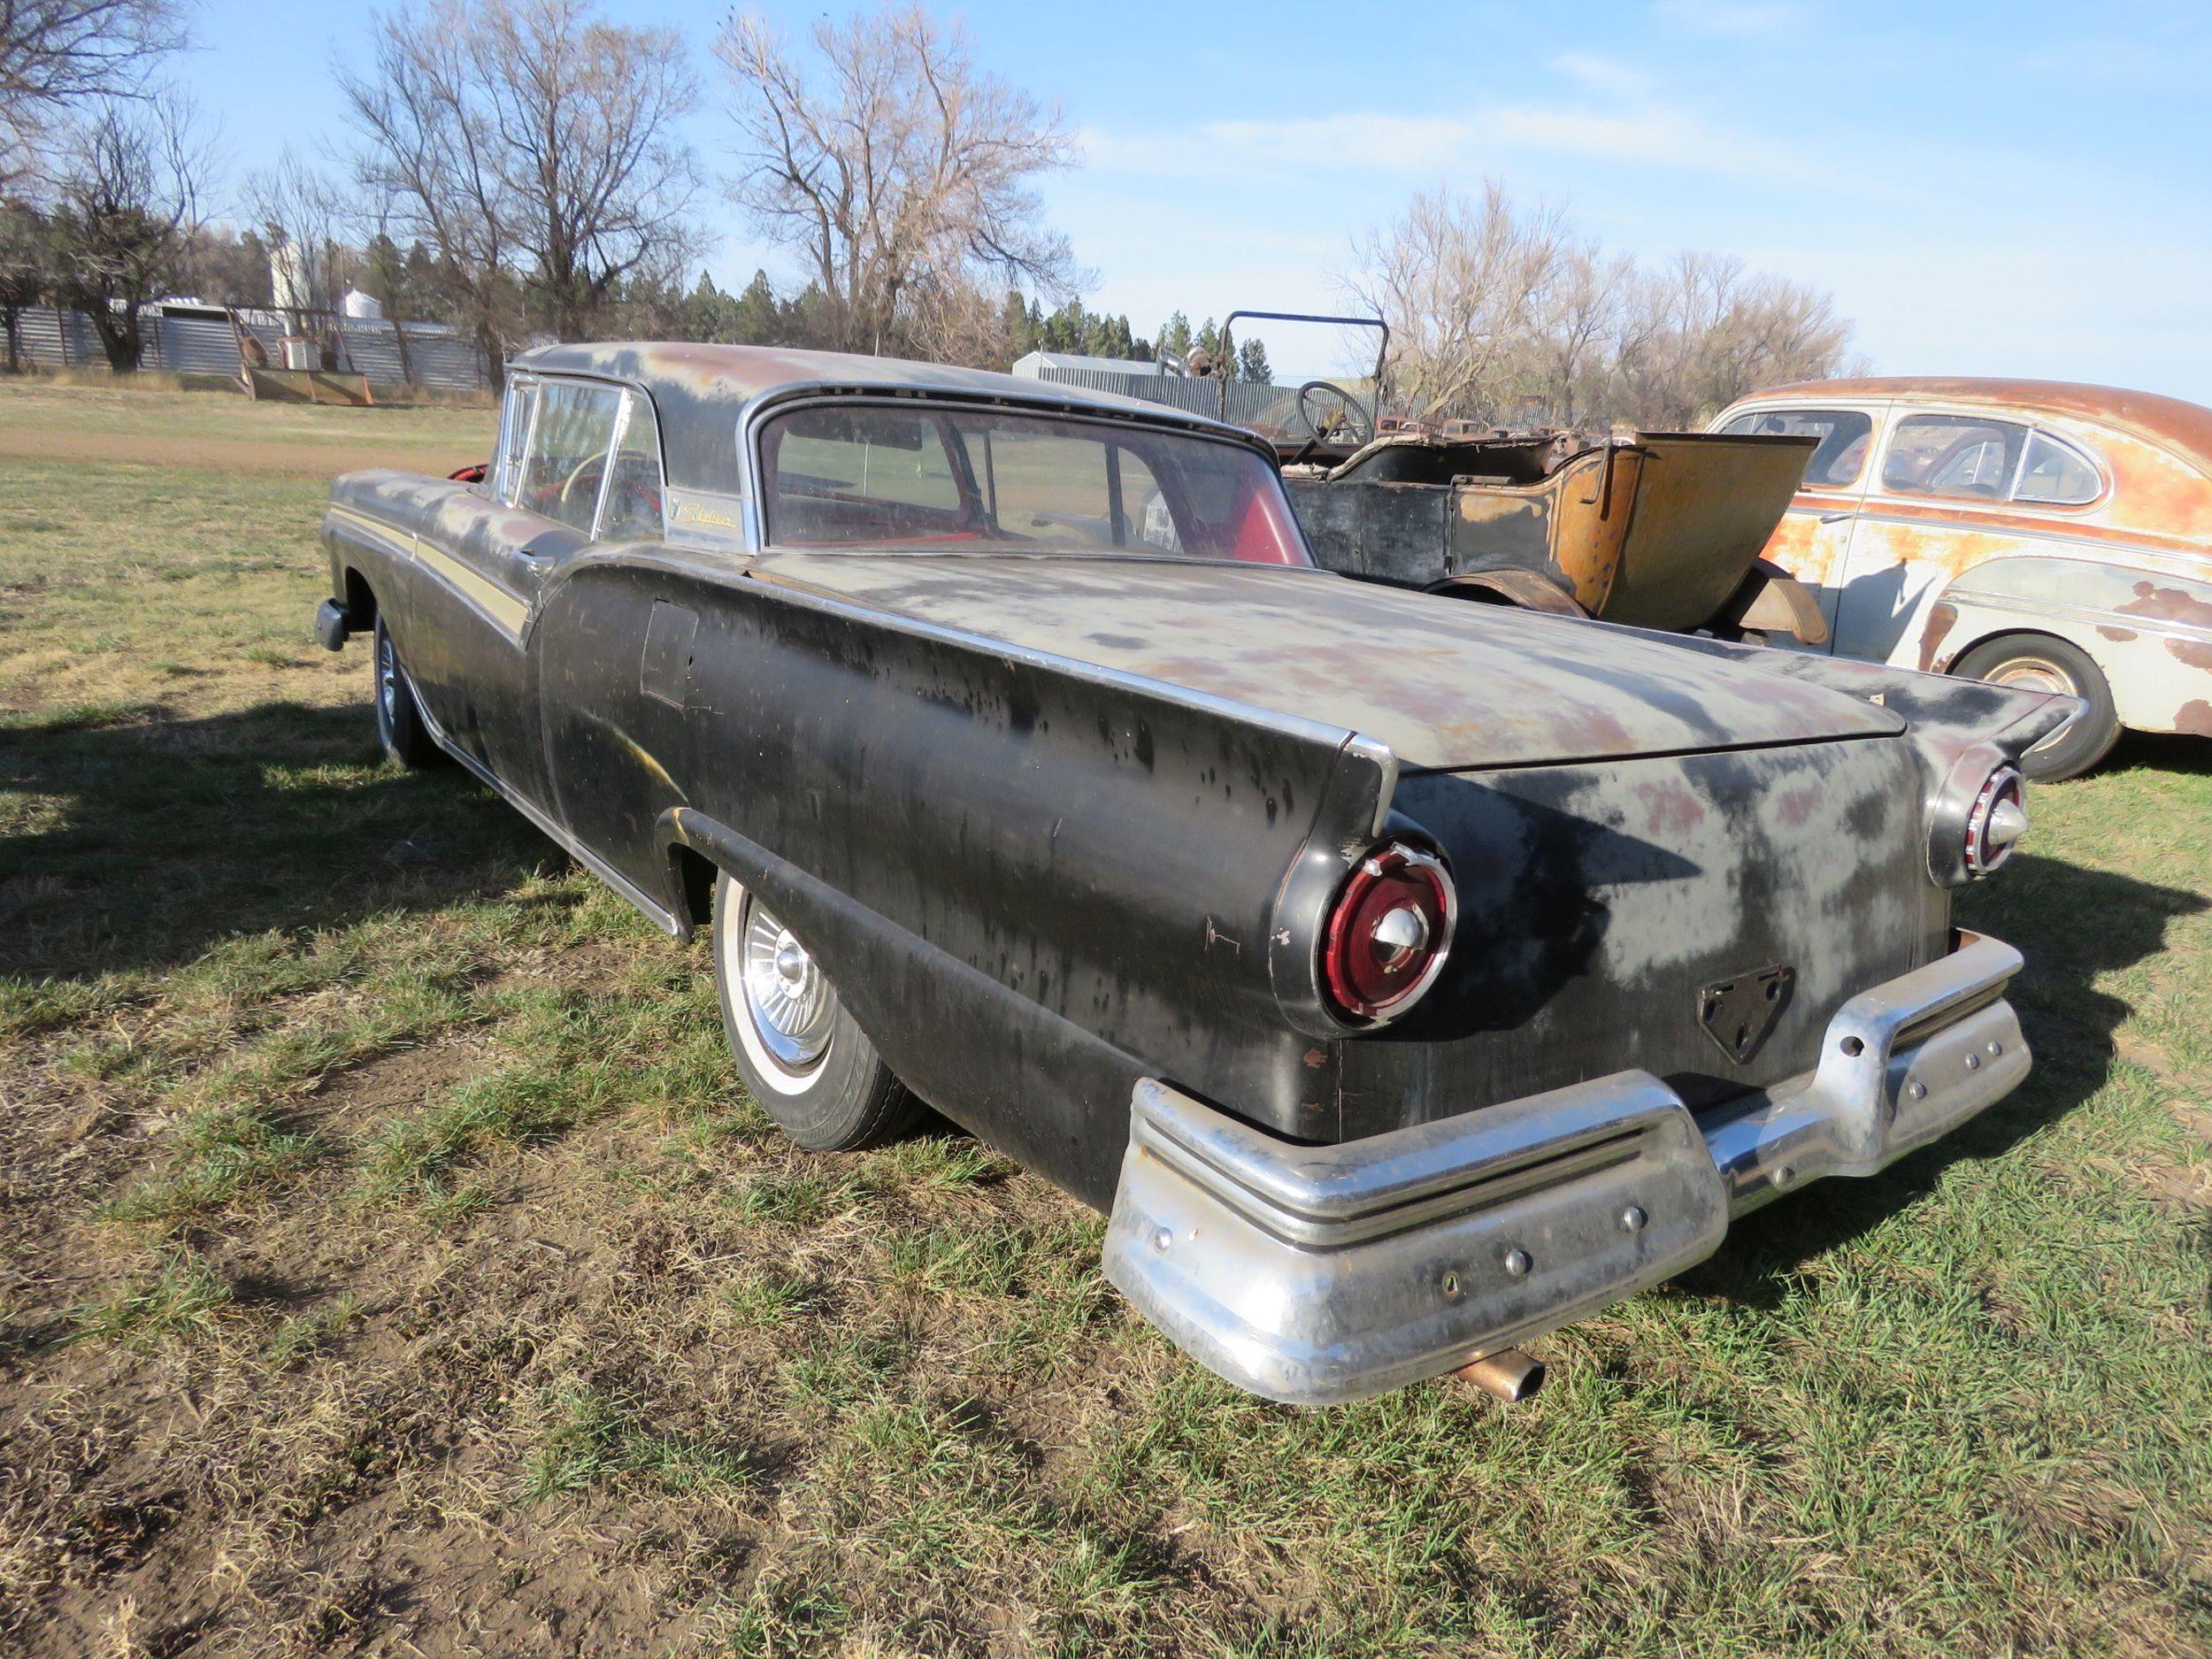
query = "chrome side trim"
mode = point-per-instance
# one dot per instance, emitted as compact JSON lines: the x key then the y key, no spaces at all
{"x":1317,"y":1274}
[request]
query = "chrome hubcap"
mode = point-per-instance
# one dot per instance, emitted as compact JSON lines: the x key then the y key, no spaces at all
{"x":2032,"y":673}
{"x":387,"y":680}
{"x":786,"y":997}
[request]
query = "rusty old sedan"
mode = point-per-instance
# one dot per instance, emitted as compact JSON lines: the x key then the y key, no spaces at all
{"x":2025,"y":533}
{"x":1406,"y":978}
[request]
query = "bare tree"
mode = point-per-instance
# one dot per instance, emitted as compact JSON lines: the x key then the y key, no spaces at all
{"x":25,"y":273}
{"x":1503,"y":314}
{"x":55,"y":53}
{"x":1704,"y":332}
{"x":530,"y":146}
{"x":305,"y":219}
{"x":900,"y":172}
{"x":1463,"y":284}
{"x":124,"y":201}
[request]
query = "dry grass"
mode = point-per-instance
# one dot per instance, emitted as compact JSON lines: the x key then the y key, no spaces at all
{"x":390,"y":1262}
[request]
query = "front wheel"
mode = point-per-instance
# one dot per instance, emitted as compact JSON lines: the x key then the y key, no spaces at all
{"x":2041,"y":661}
{"x":400,"y":727}
{"x":799,"y":1051}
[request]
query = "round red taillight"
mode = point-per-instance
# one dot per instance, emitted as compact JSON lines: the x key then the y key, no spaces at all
{"x":1389,"y":931}
{"x":1996,"y":821}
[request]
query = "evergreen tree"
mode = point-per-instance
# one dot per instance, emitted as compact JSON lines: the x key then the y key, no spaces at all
{"x":1175,"y":337}
{"x":1252,"y":362}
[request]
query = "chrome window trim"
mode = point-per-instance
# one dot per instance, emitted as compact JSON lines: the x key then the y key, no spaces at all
{"x":2081,"y":452}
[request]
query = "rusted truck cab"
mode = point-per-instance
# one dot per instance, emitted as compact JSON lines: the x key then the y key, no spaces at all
{"x":2025,"y":533}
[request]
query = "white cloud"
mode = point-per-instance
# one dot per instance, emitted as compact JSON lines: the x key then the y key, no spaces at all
{"x":1748,"y":19}
{"x":1603,"y":74}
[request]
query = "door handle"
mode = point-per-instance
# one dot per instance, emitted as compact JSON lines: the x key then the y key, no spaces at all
{"x":1831,"y":518}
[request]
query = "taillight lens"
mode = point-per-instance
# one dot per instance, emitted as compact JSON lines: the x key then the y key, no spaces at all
{"x":1996,"y":821}
{"x":1389,"y":933}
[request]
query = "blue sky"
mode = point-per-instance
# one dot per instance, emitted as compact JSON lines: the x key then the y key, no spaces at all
{"x":1999,"y":188}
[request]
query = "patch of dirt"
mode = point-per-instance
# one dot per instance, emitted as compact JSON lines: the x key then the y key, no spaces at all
{"x":228,"y":454}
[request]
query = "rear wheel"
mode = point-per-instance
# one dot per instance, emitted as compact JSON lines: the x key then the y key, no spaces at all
{"x":799,"y":1051}
{"x":2041,"y":661}
{"x":399,"y":722}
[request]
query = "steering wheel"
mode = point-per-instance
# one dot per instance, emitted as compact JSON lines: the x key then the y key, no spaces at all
{"x":569,"y":484}
{"x":1350,"y":415}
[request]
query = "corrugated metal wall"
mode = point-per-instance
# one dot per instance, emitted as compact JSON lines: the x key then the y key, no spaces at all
{"x":436,"y":356}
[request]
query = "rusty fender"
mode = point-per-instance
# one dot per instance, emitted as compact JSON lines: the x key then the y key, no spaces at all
{"x":2149,"y":631}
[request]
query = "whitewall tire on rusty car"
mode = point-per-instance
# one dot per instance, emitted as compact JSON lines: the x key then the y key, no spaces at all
{"x":801,"y":1052}
{"x":399,"y":722}
{"x":2040,"y":662}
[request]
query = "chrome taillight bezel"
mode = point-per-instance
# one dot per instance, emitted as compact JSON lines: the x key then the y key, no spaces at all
{"x":1395,"y":857}
{"x":1982,"y":857}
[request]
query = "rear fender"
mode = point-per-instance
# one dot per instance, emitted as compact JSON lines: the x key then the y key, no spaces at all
{"x":2148,"y":632}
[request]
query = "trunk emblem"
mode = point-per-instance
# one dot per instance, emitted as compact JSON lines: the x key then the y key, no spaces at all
{"x":1739,"y":1013}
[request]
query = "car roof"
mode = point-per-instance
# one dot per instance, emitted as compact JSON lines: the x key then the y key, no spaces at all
{"x":2169,"y":421}
{"x":700,"y":389}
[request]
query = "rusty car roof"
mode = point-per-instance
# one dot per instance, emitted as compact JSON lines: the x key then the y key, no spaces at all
{"x":699,"y":389}
{"x":2170,"y":421}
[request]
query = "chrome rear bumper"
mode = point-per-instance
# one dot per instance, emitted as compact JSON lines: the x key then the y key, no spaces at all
{"x":1316,"y":1274}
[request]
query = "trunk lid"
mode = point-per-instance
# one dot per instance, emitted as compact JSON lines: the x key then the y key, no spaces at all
{"x":1449,"y":684}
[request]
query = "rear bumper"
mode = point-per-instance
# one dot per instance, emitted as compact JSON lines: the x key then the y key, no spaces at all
{"x":1316,"y":1274}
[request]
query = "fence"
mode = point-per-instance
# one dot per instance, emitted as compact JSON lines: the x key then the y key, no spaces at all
{"x":201,"y":342}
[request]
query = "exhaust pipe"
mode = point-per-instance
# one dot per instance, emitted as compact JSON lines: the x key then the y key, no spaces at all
{"x":1509,"y":1375}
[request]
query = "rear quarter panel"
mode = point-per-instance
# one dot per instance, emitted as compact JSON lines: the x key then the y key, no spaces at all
{"x":1032,"y":888}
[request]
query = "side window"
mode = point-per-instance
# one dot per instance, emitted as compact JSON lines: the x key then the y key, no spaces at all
{"x":1844,"y":434}
{"x":1961,"y":455}
{"x":841,"y":475}
{"x":514,"y":432}
{"x":566,"y":459}
{"x":1052,"y":487}
{"x":2057,"y":474}
{"x":632,"y":509}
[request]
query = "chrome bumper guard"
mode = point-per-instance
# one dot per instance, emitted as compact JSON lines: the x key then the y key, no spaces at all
{"x":1318,"y":1274}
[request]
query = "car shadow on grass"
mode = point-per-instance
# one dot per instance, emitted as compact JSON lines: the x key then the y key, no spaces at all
{"x":2073,"y":924}
{"x":139,"y":840}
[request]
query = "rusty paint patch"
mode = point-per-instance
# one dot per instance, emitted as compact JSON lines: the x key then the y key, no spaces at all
{"x":2168,"y":605}
{"x":2194,"y":718}
{"x":2118,"y":636}
{"x":1943,"y":616}
{"x":2195,"y":653}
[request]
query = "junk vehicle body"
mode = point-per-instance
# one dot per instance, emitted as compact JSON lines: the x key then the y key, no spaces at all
{"x":1405,"y":979}
{"x":2023,"y":533}
{"x":1653,"y":529}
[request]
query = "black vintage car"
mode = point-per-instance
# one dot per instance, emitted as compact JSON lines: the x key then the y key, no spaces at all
{"x":1406,"y":977}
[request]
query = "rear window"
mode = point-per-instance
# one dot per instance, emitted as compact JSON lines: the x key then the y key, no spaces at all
{"x":2056,"y":474}
{"x":1843,"y":435}
{"x":1966,"y":457}
{"x":864,"y":475}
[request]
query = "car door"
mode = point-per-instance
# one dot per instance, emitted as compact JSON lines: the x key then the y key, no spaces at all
{"x":1943,"y":480}
{"x":1813,"y":542}
{"x":491,"y":551}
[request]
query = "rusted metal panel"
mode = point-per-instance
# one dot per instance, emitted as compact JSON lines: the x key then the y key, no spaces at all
{"x":1394,"y":664}
{"x":1658,"y":532}
{"x":1919,"y":579}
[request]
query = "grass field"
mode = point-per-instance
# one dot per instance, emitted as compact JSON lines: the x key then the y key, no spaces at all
{"x":391,"y":1264}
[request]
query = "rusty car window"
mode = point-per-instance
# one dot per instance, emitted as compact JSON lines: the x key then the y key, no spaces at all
{"x":2056,"y":474}
{"x":1844,"y":435}
{"x":1012,"y":479}
{"x":1968,"y":456}
{"x":565,"y":462}
{"x":631,"y":508}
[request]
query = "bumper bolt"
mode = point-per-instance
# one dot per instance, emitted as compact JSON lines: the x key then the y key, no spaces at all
{"x":1996,"y":1048}
{"x":1518,"y":1263}
{"x":1918,"y":1091}
{"x":1973,"y":1063}
{"x":1632,"y":1218}
{"x":1162,"y":1239}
